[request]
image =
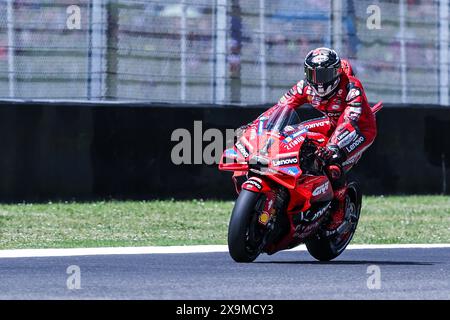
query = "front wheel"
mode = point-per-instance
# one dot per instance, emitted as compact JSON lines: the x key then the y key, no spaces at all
{"x":327,"y":248}
{"x":244,"y":240}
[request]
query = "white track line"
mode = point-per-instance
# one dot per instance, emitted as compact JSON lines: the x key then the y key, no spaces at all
{"x":31,"y":253}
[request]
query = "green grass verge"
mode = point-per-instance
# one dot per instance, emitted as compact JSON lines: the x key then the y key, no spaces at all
{"x":412,"y":219}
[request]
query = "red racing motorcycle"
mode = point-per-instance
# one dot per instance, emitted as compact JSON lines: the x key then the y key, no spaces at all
{"x":285,"y":195}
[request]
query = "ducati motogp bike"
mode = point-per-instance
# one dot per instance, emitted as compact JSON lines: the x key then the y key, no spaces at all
{"x":285,"y":195}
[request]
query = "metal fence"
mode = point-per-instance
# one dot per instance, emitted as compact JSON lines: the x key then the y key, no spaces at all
{"x":217,"y":51}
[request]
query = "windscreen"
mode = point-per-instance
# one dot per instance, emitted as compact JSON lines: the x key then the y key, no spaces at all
{"x":281,"y":118}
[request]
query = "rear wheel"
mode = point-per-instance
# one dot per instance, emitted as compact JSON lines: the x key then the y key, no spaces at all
{"x":244,"y":234}
{"x":326,"y":248}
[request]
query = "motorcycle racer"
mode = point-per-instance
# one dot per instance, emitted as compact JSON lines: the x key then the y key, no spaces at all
{"x":331,"y":87}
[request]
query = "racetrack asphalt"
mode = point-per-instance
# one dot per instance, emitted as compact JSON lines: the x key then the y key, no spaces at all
{"x":407,"y":273}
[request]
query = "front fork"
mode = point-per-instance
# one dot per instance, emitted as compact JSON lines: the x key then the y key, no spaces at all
{"x":270,"y":208}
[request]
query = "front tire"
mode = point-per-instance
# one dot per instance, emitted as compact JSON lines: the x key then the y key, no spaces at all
{"x":241,"y":246}
{"x":328,"y":248}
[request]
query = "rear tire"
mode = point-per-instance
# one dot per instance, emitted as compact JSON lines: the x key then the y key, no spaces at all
{"x":239,"y":246}
{"x":328,"y":248}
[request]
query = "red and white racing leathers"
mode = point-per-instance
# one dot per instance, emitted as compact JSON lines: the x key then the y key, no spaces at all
{"x":349,"y":121}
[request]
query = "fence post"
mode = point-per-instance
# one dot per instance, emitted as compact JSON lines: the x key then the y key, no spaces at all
{"x":112,"y":35}
{"x":11,"y":49}
{"x":336,"y":25}
{"x":262,"y":49}
{"x":443,"y":52}
{"x":96,"y":45}
{"x":220,"y":50}
{"x":235,"y":52}
{"x":403,"y":62}
{"x":183,"y":48}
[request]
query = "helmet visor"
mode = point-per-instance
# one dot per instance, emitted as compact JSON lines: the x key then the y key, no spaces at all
{"x":320,"y":75}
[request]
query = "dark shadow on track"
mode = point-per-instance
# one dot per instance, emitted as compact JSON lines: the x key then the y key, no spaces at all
{"x":349,"y":262}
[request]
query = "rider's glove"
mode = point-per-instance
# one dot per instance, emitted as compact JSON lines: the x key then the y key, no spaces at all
{"x":329,"y":155}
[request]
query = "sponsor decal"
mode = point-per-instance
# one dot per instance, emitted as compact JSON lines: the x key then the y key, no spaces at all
{"x":317,"y":101}
{"x":261,"y":124}
{"x":342,"y":135}
{"x":335,"y":107}
{"x":321,"y":189}
{"x":352,"y":159}
{"x":253,"y":183}
{"x":320,"y":212}
{"x":292,"y":92}
{"x":320,"y":58}
{"x":353,"y":93}
{"x":300,"y":87}
{"x":283,"y":162}
{"x":317,"y":214}
{"x":288,"y":129}
{"x":252,"y":134}
{"x":316,"y":124}
{"x":293,"y":171}
{"x":264,"y":218}
{"x":242,"y":149}
{"x":355,"y":110}
{"x":353,"y":113}
{"x":294,"y":142}
{"x":294,"y":135}
{"x":334,"y":114}
{"x":349,"y":161}
{"x":355,"y":144}
{"x":301,"y":230}
{"x":346,"y":141}
{"x":230,"y":153}
{"x":355,"y":104}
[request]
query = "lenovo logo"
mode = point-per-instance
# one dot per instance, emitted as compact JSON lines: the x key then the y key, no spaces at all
{"x":283,"y":162}
{"x":242,"y":150}
{"x":355,"y":144}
